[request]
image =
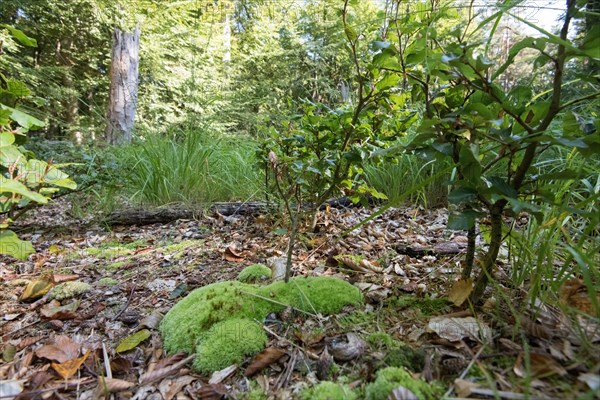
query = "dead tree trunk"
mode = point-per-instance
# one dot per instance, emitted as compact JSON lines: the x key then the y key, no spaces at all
{"x":123,"y":86}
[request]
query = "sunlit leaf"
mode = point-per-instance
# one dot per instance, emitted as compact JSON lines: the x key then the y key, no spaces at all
{"x":132,"y":341}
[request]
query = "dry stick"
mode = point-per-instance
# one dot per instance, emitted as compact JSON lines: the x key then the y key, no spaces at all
{"x":126,"y":304}
{"x":464,"y":373}
{"x":106,"y":361}
{"x":309,"y":353}
{"x":285,"y":377}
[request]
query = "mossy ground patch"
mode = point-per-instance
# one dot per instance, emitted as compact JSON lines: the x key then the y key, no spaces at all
{"x":183,"y":326}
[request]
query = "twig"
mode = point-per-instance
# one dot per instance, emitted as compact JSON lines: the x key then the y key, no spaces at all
{"x":279,"y":337}
{"x":126,"y":304}
{"x":464,"y":373}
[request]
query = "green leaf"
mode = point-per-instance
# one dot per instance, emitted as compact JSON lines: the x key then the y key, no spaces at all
{"x":9,"y":155}
{"x":501,"y":186}
{"x":11,"y":245}
{"x":17,"y":88}
{"x":25,"y":120}
{"x":350,"y":33}
{"x":463,"y":221}
{"x":6,"y":139}
{"x":4,"y":117}
{"x":132,"y":341}
{"x":13,"y":186}
{"x":469,"y":163}
{"x":388,"y":81}
{"x":462,"y":195}
{"x":20,"y":36}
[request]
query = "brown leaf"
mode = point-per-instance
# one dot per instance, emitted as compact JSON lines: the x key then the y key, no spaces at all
{"x":232,"y":254}
{"x":212,"y":392}
{"x":54,"y":310}
{"x":541,"y":366}
{"x":111,"y":385}
{"x":169,"y":388}
{"x":574,"y":293}
{"x":26,"y":342}
{"x":534,"y":329}
{"x":120,"y":364}
{"x":463,"y":388}
{"x":263,"y":359}
{"x":161,"y":373}
{"x":461,"y":290}
{"x":220,"y":376}
{"x":36,"y":289}
{"x":347,"y":347}
{"x":70,"y":367}
{"x":58,"y":278}
{"x":324,"y":364}
{"x":62,"y":349}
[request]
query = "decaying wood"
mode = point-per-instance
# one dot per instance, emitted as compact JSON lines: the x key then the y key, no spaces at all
{"x":165,"y":214}
{"x":417,"y":250}
{"x":147,"y":216}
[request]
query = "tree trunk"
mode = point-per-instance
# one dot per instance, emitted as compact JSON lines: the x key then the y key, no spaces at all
{"x":123,"y":86}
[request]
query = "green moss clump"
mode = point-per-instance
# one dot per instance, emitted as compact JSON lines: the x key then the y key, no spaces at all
{"x":107,"y":282}
{"x":67,"y":290}
{"x":254,"y":274}
{"x":328,"y":391}
{"x":227,"y":343}
{"x":184,"y":324}
{"x":427,"y":305}
{"x":405,"y":356}
{"x":390,"y":378}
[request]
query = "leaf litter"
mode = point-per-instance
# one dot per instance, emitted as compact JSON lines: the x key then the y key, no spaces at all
{"x":104,"y":342}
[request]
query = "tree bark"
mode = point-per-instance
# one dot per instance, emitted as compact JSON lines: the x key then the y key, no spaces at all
{"x":123,"y":86}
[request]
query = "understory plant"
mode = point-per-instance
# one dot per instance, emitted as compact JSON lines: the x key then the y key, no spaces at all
{"x":491,"y":133}
{"x":24,"y":180}
{"x":322,"y":153}
{"x":192,"y":166}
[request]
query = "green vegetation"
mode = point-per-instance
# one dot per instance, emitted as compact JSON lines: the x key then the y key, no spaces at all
{"x":390,"y":378}
{"x":204,"y":307}
{"x":227,"y":342}
{"x":67,"y":290}
{"x":328,"y":391}
{"x":254,"y":274}
{"x":24,"y":180}
{"x":192,"y":167}
{"x":107,"y":282}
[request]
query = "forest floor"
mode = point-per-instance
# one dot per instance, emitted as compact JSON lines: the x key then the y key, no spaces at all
{"x":404,"y":261}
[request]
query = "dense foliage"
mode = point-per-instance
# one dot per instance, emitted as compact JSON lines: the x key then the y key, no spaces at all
{"x":402,"y":100}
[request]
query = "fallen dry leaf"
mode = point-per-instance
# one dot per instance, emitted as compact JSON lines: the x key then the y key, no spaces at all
{"x":232,"y":254}
{"x":263,"y":359}
{"x":542,"y":366}
{"x":464,"y":388}
{"x":37,"y":289}
{"x":60,"y":350}
{"x":70,"y":367}
{"x":54,"y":310}
{"x":111,"y":385}
{"x":169,"y":388}
{"x":220,"y":376}
{"x":461,"y":290}
{"x":347,"y":347}
{"x":455,"y":329}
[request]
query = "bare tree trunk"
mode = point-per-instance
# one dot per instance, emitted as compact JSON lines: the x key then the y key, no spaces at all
{"x":123,"y":86}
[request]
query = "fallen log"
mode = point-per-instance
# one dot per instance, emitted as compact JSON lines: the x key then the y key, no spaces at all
{"x":165,"y":214}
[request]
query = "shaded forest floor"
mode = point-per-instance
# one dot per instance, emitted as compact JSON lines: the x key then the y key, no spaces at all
{"x":404,"y":262}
